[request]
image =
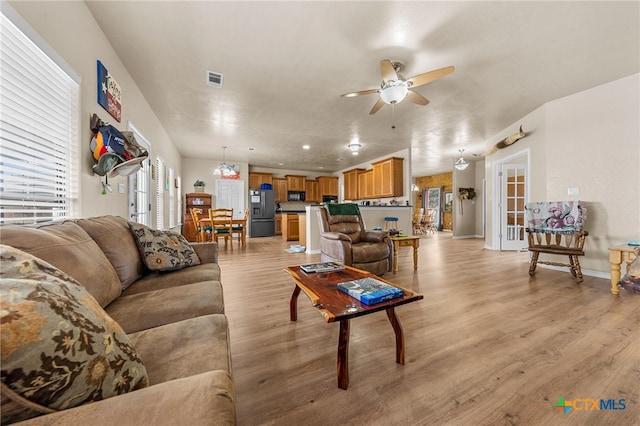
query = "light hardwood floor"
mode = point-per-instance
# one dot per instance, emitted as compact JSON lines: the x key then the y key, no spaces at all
{"x":488,"y":345}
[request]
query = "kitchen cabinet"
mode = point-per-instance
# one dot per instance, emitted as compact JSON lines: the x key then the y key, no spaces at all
{"x":295,"y":182}
{"x":365,"y":184}
{"x":280,"y":189}
{"x":257,"y":179}
{"x":199,"y":201}
{"x":302,"y":229}
{"x":290,"y":227}
{"x":278,"y":224}
{"x":311,"y":188}
{"x":351,"y":190}
{"x":388,"y":177}
{"x":328,"y":185}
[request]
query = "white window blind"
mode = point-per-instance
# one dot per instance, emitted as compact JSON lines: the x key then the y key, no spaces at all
{"x":39,"y":134}
{"x":172,"y":200}
{"x":140,"y":186}
{"x":160,"y":193}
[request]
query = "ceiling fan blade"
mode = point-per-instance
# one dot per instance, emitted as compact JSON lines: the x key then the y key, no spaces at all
{"x":388,"y":72}
{"x":430,"y":76}
{"x":377,"y":106}
{"x":363,"y":92}
{"x":416,"y":98}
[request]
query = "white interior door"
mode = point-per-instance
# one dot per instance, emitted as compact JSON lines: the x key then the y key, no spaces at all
{"x":513,"y":198}
{"x":230,"y":195}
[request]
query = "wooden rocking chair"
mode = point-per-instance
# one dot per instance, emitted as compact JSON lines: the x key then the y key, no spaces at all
{"x":556,"y":228}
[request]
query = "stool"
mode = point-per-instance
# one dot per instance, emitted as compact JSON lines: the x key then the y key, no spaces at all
{"x":390,"y":220}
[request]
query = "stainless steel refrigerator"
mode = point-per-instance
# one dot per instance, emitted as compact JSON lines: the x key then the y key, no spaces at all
{"x":262,"y":213}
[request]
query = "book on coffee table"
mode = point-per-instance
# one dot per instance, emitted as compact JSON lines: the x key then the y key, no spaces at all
{"x":322,"y":267}
{"x":370,"y":290}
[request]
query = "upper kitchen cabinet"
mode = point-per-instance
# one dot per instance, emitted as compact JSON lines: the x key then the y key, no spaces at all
{"x":351,"y":184}
{"x":365,"y":184}
{"x":311,"y":188}
{"x":280,"y":189}
{"x":257,"y":179}
{"x":328,"y":185}
{"x":388,"y":177}
{"x":295,"y":182}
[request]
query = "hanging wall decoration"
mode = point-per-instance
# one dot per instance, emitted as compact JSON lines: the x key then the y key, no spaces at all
{"x":109,"y":93}
{"x":508,"y":141}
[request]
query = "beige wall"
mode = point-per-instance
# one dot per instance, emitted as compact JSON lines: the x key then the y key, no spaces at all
{"x":71,"y":31}
{"x":589,"y":140}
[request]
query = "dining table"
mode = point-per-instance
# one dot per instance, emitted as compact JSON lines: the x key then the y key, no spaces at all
{"x":205,"y":222}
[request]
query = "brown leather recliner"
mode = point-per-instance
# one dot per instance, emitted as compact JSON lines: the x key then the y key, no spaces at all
{"x":343,"y":239}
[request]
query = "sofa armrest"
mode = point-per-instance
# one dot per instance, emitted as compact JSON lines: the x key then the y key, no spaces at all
{"x":373,"y":236}
{"x":207,"y":398}
{"x":335,"y":236}
{"x":207,"y":252}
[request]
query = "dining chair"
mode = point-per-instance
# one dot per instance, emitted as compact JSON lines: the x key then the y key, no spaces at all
{"x":201,"y":230}
{"x":430,"y":221}
{"x":222,"y":225}
{"x":240,"y":229}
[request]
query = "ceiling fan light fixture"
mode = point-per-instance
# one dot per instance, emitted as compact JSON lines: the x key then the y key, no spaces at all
{"x":394,"y":94}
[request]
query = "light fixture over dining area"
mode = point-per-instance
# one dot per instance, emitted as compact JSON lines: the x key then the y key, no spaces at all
{"x":224,"y":169}
{"x":460,"y":163}
{"x":354,"y":147}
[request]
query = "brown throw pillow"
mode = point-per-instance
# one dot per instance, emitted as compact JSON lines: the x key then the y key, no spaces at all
{"x":59,"y":348}
{"x":163,"y":250}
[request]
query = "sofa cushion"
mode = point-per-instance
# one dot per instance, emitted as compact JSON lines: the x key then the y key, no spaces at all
{"x":184,"y":348}
{"x":68,"y":247}
{"x":113,"y":236}
{"x":163,"y":250}
{"x":59,"y":347}
{"x":160,"y":280}
{"x":154,"y":308}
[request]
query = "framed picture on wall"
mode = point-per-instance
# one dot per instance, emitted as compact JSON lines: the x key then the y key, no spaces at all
{"x":448,"y":201}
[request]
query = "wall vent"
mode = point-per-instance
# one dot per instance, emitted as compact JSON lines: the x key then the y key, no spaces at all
{"x":214,"y":79}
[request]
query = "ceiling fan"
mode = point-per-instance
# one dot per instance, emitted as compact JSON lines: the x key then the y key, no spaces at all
{"x":394,"y":88}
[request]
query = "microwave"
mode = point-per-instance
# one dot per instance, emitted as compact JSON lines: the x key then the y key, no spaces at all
{"x":296,"y":196}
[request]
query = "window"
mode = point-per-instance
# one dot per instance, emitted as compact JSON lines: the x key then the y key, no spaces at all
{"x":140,"y":186}
{"x":160,"y":193}
{"x":172,"y":200}
{"x":38,"y":128}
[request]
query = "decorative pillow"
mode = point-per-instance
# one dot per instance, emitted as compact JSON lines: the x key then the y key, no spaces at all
{"x":59,"y":348}
{"x":631,"y":280}
{"x":163,"y":250}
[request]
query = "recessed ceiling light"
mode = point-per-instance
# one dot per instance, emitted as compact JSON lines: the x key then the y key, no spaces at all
{"x":306,"y":147}
{"x":280,"y":164}
{"x":251,"y":149}
{"x":320,"y":167}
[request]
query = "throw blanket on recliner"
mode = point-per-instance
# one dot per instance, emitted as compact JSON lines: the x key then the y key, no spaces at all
{"x":342,"y":209}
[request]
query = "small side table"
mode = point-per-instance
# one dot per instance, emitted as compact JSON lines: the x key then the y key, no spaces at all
{"x":617,"y":255}
{"x":405,"y":242}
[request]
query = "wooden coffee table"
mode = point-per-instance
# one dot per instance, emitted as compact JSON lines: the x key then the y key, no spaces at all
{"x":334,"y":305}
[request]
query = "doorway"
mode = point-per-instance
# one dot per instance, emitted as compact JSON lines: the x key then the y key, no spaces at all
{"x":513,"y":182}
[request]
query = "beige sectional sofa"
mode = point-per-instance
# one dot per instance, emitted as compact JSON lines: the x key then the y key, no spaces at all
{"x":173,"y":329}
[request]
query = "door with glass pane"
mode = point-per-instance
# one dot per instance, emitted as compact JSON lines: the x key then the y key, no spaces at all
{"x":513,"y":199}
{"x":140,"y":186}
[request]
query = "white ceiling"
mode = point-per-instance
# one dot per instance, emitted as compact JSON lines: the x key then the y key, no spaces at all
{"x":285,"y":65}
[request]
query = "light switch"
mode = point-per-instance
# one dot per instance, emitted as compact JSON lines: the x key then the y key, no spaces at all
{"x":121,"y":188}
{"x":573,"y":191}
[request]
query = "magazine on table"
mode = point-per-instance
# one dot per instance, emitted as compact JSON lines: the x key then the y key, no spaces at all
{"x":370,"y":290}
{"x":322,"y":267}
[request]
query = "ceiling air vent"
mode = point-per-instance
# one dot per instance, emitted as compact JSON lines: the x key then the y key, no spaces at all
{"x":214,"y":79}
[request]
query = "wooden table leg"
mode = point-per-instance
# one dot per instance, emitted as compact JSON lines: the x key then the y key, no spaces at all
{"x":395,"y":257}
{"x":343,"y":355}
{"x":293,"y":304}
{"x":615,"y":258}
{"x":415,"y":255}
{"x":397,"y":328}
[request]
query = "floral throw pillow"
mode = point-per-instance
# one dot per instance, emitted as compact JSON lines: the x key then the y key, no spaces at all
{"x":163,"y":250}
{"x":59,"y":348}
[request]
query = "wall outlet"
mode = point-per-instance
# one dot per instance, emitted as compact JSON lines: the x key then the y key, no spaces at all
{"x":121,"y":188}
{"x":573,"y":191}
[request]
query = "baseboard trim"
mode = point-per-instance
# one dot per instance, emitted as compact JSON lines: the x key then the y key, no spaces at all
{"x":587,"y":272}
{"x":312,"y":251}
{"x":461,"y":237}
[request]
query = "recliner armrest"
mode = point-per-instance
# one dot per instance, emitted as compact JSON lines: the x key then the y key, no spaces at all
{"x":335,"y":236}
{"x":373,"y":236}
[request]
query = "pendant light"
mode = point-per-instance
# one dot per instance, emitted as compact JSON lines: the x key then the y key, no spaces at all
{"x":460,"y":163}
{"x":225,"y":169}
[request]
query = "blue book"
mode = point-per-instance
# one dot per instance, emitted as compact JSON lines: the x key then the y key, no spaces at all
{"x":370,"y":291}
